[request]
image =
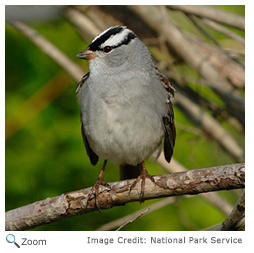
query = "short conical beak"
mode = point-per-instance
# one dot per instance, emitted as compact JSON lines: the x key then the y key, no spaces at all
{"x":87,"y":54}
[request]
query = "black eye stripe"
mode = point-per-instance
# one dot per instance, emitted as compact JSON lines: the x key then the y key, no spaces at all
{"x":96,"y":44}
{"x":127,"y":39}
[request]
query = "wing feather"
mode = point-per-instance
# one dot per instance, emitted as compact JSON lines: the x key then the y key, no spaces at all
{"x":168,"y":120}
{"x":92,"y":156}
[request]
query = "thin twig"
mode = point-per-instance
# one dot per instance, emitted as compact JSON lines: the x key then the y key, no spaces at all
{"x":198,"y":25}
{"x":152,"y":208}
{"x":130,"y":221}
{"x":223,"y":30}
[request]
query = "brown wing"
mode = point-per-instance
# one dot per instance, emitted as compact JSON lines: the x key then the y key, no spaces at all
{"x":168,"y":120}
{"x":82,"y":81}
{"x":92,"y":156}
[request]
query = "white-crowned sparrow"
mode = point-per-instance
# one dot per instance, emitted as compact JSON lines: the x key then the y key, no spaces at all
{"x":125,"y":105}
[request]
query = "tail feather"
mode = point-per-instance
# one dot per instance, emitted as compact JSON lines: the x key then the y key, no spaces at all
{"x":128,"y":171}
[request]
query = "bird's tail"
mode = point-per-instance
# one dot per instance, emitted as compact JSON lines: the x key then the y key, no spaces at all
{"x":129,"y":171}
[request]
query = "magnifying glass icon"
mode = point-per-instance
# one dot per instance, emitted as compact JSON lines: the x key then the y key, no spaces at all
{"x":11,"y":238}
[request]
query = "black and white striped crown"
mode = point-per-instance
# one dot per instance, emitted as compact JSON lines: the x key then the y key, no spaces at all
{"x":113,"y":37}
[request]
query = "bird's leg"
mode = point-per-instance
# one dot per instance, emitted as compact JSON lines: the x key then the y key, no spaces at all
{"x":144,"y":174}
{"x":95,"y":189}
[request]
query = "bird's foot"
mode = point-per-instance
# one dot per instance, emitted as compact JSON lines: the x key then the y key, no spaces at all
{"x":94,"y":192}
{"x":143,"y":176}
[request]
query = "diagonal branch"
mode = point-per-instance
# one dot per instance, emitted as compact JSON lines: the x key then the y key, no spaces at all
{"x":58,"y":56}
{"x":236,"y":219}
{"x":75,"y":203}
{"x":130,"y":221}
{"x":232,"y":222}
{"x":212,"y":127}
{"x":218,"y":15}
{"x":159,"y":20}
{"x":123,"y":220}
{"x":224,"y":30}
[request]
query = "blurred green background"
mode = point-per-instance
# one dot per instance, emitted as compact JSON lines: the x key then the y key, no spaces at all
{"x":45,"y":155}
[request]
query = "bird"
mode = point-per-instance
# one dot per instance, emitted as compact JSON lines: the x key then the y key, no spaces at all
{"x":125,"y":106}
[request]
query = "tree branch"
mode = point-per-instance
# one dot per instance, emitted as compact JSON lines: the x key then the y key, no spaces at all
{"x":161,"y":23}
{"x":224,"y":30}
{"x":75,"y":203}
{"x":218,"y":15}
{"x":236,"y":219}
{"x":48,"y":48}
{"x":212,"y":127}
{"x":212,"y":197}
{"x":159,"y":20}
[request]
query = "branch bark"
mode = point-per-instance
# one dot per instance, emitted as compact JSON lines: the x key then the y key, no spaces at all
{"x":75,"y":203}
{"x":212,"y":197}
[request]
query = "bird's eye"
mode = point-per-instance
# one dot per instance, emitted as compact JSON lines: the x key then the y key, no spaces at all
{"x":107,"y":49}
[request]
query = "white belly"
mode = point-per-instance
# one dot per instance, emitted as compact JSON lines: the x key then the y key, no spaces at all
{"x":124,"y":140}
{"x":124,"y":131}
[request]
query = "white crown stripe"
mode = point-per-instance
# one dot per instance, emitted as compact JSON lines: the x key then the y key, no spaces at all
{"x":98,"y":36}
{"x":116,"y":39}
